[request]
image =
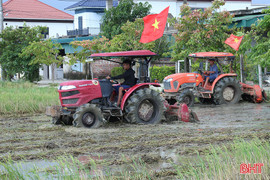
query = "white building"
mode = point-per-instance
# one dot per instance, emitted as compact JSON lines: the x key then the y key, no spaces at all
{"x":88,"y":16}
{"x":230,"y":5}
{"x":36,"y":13}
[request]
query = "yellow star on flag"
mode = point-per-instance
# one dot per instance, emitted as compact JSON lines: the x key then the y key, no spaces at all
{"x":236,"y":40}
{"x":156,"y":24}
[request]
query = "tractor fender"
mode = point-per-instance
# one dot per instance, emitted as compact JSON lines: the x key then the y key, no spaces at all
{"x":135,"y":88}
{"x":220,"y":77}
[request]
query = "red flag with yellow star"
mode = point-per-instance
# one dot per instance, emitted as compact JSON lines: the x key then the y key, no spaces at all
{"x":234,"y":41}
{"x":154,"y":26}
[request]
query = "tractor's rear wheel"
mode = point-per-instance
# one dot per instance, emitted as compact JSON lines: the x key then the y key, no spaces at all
{"x":227,"y":91}
{"x":145,"y":107}
{"x":187,"y":97}
{"x":89,"y":116}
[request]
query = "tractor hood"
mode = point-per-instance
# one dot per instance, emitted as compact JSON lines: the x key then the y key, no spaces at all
{"x":173,"y":82}
{"x":77,"y":84}
{"x":178,"y":76}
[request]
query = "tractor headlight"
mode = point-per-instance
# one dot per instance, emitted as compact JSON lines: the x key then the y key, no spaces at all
{"x":68,"y":87}
{"x":169,"y":80}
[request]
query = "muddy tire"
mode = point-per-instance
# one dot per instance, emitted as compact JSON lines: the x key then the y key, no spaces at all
{"x":57,"y":120}
{"x":227,"y":91}
{"x":145,"y":106}
{"x":89,"y":116}
{"x":187,"y":97}
{"x":64,"y":120}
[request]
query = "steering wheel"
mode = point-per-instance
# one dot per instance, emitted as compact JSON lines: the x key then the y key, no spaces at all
{"x":114,"y":81}
{"x":200,"y":71}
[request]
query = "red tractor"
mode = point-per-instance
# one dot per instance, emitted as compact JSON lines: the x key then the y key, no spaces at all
{"x":225,"y":89}
{"x":87,"y":102}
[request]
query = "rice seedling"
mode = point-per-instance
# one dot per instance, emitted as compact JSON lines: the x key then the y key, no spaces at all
{"x":19,"y":98}
{"x":223,"y":162}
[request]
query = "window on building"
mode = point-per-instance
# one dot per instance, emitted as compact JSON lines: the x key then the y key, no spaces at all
{"x":80,"y":21}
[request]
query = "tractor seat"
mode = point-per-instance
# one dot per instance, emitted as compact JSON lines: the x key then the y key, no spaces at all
{"x":136,"y":81}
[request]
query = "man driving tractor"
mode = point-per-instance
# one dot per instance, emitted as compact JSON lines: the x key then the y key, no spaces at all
{"x":129,"y":78}
{"x":212,"y":74}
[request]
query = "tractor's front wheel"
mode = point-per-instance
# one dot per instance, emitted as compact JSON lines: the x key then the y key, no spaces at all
{"x":89,"y":116}
{"x":227,"y":91}
{"x":187,"y":97}
{"x":145,"y":107}
{"x":63,"y":120}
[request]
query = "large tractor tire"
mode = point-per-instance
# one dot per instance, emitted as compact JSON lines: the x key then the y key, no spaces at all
{"x":227,"y":91}
{"x":145,"y":106}
{"x":89,"y":116}
{"x":187,"y":97}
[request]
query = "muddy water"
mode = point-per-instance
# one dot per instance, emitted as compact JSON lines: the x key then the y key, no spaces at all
{"x":34,"y":138}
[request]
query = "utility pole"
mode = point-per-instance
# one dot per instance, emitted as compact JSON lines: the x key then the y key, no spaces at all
{"x":1,"y":29}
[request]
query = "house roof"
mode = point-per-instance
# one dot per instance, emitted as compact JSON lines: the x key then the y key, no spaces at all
{"x":33,"y":9}
{"x":90,"y":4}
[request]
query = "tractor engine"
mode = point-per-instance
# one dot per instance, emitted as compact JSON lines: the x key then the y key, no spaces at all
{"x":73,"y":94}
{"x":175,"y":82}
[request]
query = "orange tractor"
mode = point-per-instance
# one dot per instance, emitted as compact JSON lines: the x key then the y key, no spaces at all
{"x":224,"y":89}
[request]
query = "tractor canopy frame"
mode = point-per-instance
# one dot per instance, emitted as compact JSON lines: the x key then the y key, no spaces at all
{"x":144,"y":56}
{"x":226,"y":57}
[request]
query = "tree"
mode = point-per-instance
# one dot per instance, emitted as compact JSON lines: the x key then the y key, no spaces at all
{"x":126,"y":10}
{"x":260,"y":52}
{"x":86,"y":48}
{"x":43,"y":52}
{"x":129,"y":39}
{"x":13,"y":41}
{"x":200,"y":31}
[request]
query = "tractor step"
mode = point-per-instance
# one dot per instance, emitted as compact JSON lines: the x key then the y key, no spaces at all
{"x":114,"y":112}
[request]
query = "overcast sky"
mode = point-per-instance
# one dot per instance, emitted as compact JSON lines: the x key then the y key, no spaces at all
{"x":57,"y":4}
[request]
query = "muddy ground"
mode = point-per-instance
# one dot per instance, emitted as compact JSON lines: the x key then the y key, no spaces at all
{"x":35,"y":138}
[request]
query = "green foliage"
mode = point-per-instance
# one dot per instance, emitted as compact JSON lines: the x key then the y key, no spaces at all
{"x":43,"y":52}
{"x":129,"y":39}
{"x":126,"y":10}
{"x":89,"y":47}
{"x":117,"y":71}
{"x":260,"y":52}
{"x":200,"y":31}
{"x":160,"y":73}
{"x":14,"y":40}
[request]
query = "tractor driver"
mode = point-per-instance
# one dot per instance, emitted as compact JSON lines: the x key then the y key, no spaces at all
{"x":129,"y":78}
{"x":212,"y":74}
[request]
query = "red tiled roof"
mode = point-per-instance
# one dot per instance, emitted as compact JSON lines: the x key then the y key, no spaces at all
{"x":32,"y":9}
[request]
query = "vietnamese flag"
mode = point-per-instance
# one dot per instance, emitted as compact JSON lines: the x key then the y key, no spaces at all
{"x":154,"y":25}
{"x":234,"y":41}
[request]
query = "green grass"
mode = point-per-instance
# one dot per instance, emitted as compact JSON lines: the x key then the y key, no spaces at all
{"x":19,"y":98}
{"x":222,"y":162}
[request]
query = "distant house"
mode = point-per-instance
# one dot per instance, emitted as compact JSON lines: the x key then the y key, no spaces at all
{"x":36,"y":13}
{"x":231,"y":5}
{"x":87,"y":18}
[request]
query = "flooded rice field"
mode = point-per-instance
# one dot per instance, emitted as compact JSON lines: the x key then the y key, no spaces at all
{"x":35,"y":140}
